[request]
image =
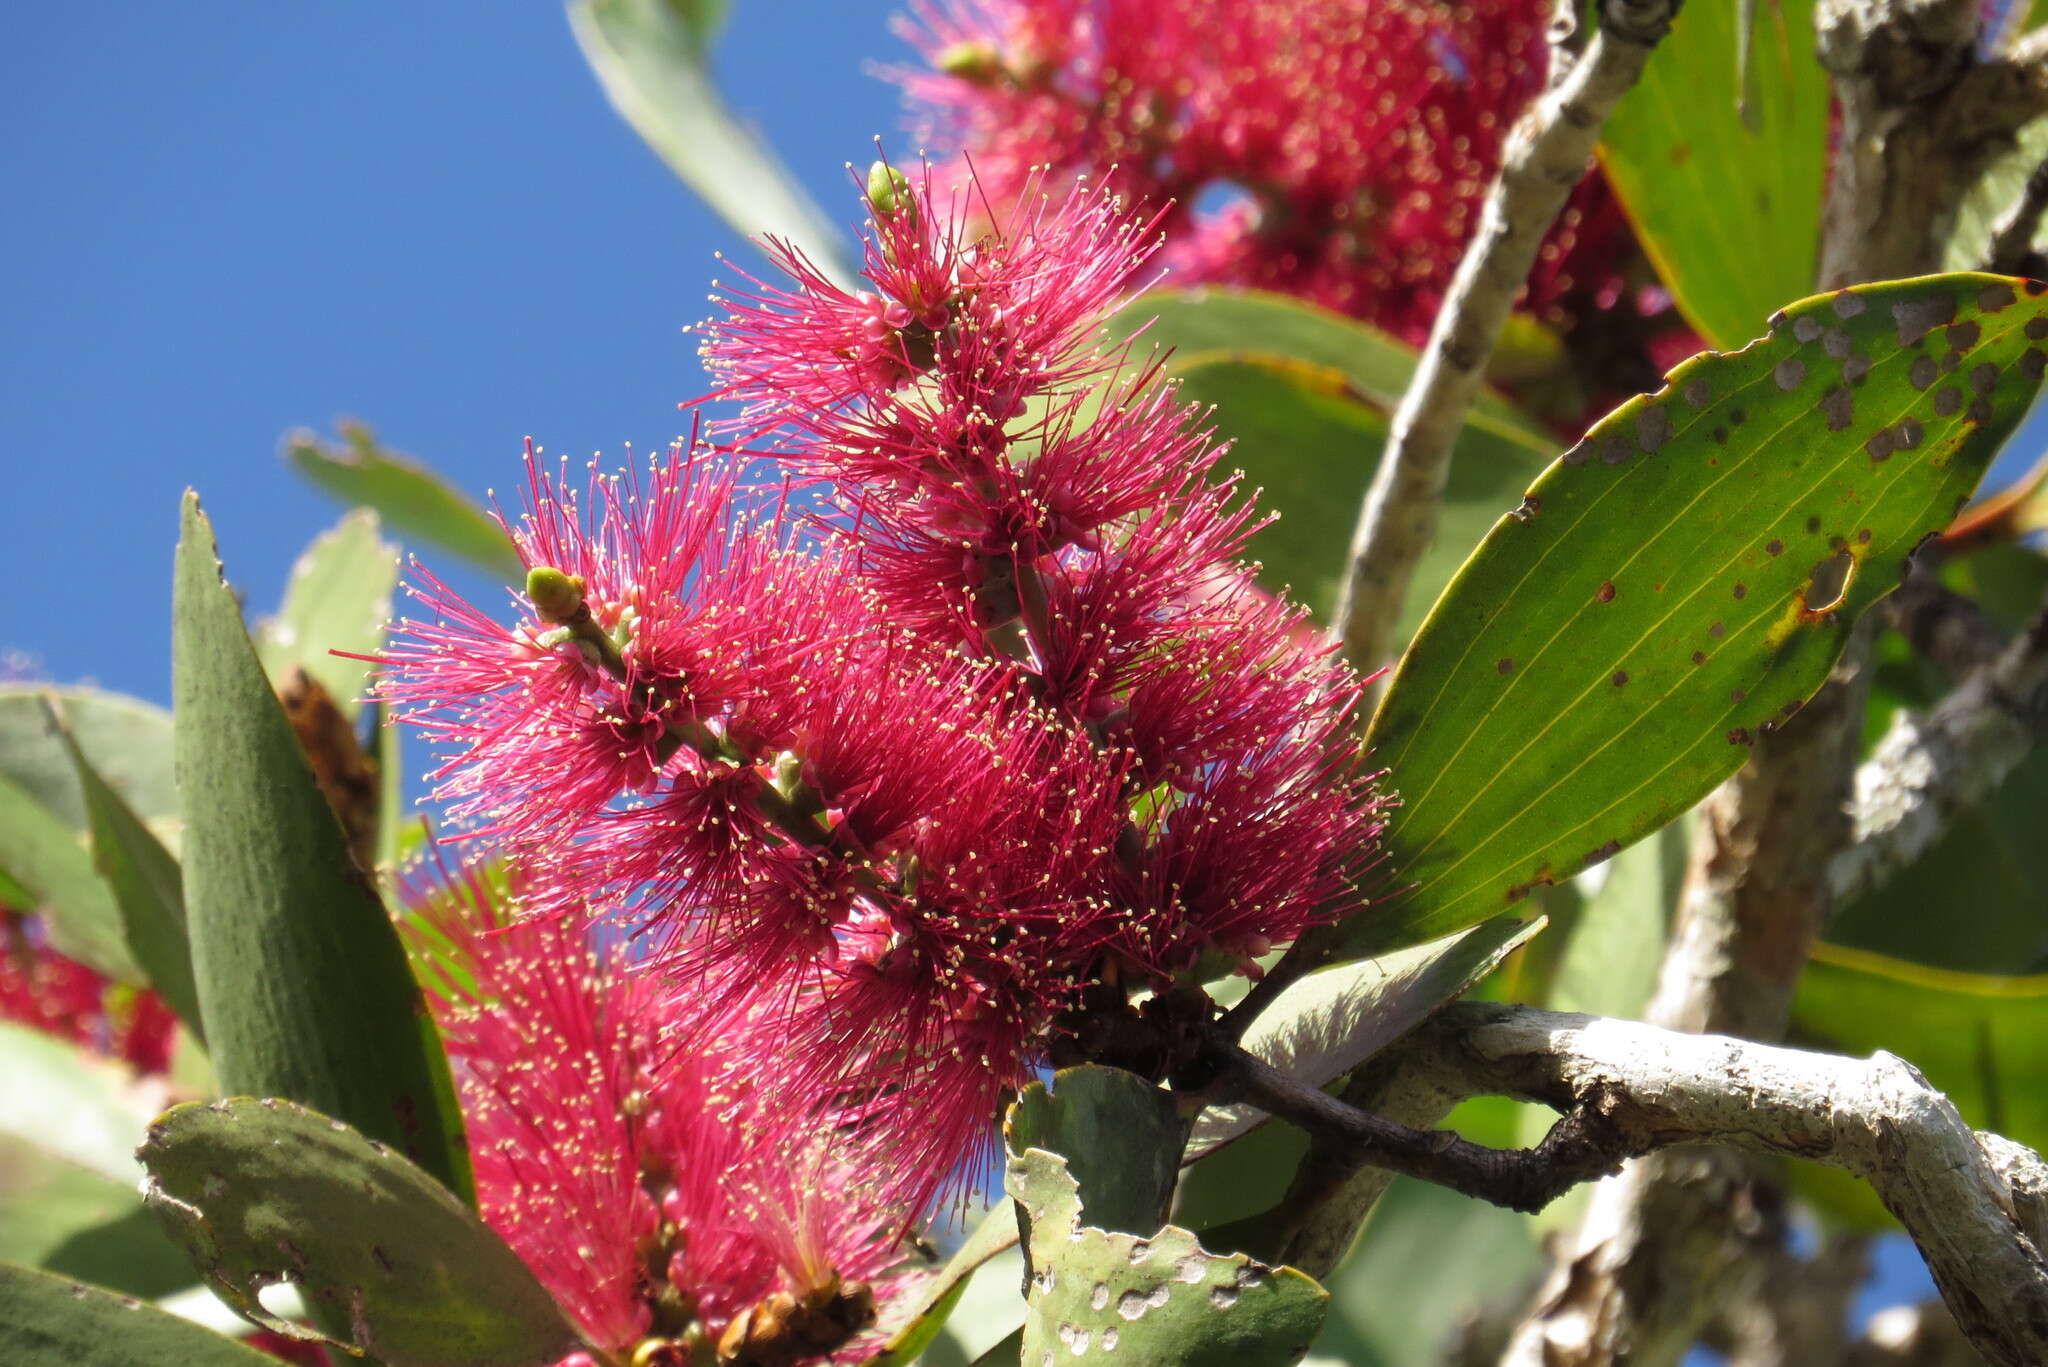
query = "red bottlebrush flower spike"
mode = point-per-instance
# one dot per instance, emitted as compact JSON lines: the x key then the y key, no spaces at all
{"x":631,"y":1150}
{"x":1359,"y":137}
{"x":999,"y":733}
{"x":57,"y":995}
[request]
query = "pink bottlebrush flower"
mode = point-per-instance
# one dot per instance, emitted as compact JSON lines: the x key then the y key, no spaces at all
{"x":632,"y":1150}
{"x":1359,"y":137}
{"x":57,"y":995}
{"x":974,"y":745}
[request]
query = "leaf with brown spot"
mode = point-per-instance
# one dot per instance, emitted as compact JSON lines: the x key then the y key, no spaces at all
{"x":1507,"y":781}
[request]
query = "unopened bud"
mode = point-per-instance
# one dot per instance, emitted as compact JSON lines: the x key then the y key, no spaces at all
{"x":556,"y":596}
{"x":889,"y":191}
{"x":970,"y":61}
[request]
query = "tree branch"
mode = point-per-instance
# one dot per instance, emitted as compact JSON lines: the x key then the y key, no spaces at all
{"x":1930,"y":767}
{"x":2012,"y":241}
{"x":1546,"y":155}
{"x":1974,"y":1204}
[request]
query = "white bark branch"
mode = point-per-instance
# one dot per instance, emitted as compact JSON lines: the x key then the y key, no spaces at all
{"x":1546,"y":155}
{"x":1976,"y":1205}
{"x":1928,"y":768}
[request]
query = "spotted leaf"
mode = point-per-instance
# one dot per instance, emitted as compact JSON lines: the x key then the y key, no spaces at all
{"x":1679,"y":584}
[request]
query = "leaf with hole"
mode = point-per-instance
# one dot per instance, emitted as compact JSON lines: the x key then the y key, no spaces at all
{"x":413,"y":500}
{"x":48,"y":1321}
{"x":1120,"y":1135}
{"x":263,"y":1192}
{"x":1718,"y":158}
{"x":302,"y":981}
{"x":1662,"y":598}
{"x":339,"y":598}
{"x":1159,"y":1298}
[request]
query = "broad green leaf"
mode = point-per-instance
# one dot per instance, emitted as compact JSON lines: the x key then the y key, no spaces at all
{"x":414,"y":501}
{"x":650,"y":57}
{"x":1428,"y":1262}
{"x":1725,"y":195}
{"x":44,"y":839}
{"x":1119,"y":1134}
{"x":302,"y":981}
{"x":1303,"y":436}
{"x":48,"y":1321}
{"x":1985,"y":204}
{"x":146,"y":884}
{"x":339,"y":598}
{"x":46,"y":858}
{"x":921,"y":1323}
{"x":1331,"y":1021}
{"x":394,"y":840}
{"x":1160,"y":1298}
{"x":1614,"y":946}
{"x":1615,"y":645}
{"x":69,"y":1124}
{"x":265,"y":1191}
{"x":1979,"y":1038}
{"x":1211,"y":320}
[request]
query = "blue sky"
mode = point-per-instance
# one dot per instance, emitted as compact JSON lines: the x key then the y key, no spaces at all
{"x":229,"y":220}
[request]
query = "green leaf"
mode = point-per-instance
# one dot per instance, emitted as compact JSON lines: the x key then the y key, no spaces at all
{"x":1726,"y":206}
{"x":69,"y":1124}
{"x":922,"y":1322}
{"x":1979,"y":1038}
{"x":339,"y":598}
{"x":1305,"y":438}
{"x":1160,"y":1298}
{"x":265,"y":1191}
{"x":44,"y":856}
{"x":1231,"y":321}
{"x":127,"y":740}
{"x":1324,"y":1026}
{"x":1614,"y":946}
{"x":147,"y":887}
{"x":1613,"y":647}
{"x":649,"y":56}
{"x":413,"y":500}
{"x":302,"y":981}
{"x":48,"y":1321}
{"x":1429,"y":1261}
{"x":1120,"y":1135}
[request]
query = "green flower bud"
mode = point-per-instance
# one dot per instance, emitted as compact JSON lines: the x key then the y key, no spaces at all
{"x":888,"y":191}
{"x":556,"y":596}
{"x":970,"y":61}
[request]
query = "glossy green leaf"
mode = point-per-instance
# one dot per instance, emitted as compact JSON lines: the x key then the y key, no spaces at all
{"x":1724,"y":191}
{"x":1614,"y":646}
{"x":1160,"y":1298}
{"x":339,"y":598}
{"x":260,"y":1192}
{"x":48,"y":1321}
{"x":921,"y":1323}
{"x":302,"y":981}
{"x":1981,"y":1039}
{"x":650,"y":57}
{"x":1211,"y":320}
{"x":1120,"y":1135}
{"x":1304,"y":438}
{"x":147,"y":887}
{"x":1324,"y":1026}
{"x":414,"y":502}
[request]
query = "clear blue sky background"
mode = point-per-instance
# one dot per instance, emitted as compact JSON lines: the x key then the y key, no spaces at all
{"x":228,"y":220}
